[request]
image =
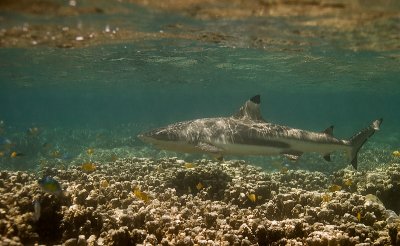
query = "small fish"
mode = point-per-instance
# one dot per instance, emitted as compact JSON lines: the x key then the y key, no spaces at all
{"x":55,"y":154}
{"x":326,"y":197}
{"x":334,"y":188}
{"x":199,"y":186}
{"x":284,"y":170}
{"x":50,"y":185}
{"x":88,"y":167}
{"x":104,"y":183}
{"x":32,"y":131}
{"x":189,"y":165}
{"x":90,"y":151}
{"x":113,"y":157}
{"x":2,"y":154}
{"x":141,"y":195}
{"x":358,"y":216}
{"x":348,"y":182}
{"x":16,"y":154}
{"x":396,"y":153}
{"x":252,"y":197}
{"x":36,"y":210}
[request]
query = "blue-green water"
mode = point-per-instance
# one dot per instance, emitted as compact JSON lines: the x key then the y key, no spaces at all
{"x":101,"y":96}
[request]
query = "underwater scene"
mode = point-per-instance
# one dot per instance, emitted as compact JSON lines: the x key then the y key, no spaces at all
{"x":199,"y":122}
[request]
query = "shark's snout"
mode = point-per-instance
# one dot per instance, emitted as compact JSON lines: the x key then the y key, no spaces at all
{"x":145,"y":137}
{"x":141,"y":137}
{"x":157,"y":135}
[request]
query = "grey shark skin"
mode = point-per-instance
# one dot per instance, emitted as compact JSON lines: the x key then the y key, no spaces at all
{"x":246,"y":133}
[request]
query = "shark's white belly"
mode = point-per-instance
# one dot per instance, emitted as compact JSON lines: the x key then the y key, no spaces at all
{"x":244,"y":149}
{"x":293,"y":146}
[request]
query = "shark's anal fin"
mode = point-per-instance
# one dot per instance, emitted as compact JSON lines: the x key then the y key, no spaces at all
{"x":209,"y":148}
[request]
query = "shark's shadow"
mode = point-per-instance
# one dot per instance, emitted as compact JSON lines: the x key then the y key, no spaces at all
{"x":191,"y":181}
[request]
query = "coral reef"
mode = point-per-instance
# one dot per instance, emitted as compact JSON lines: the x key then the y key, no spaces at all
{"x":170,"y":202}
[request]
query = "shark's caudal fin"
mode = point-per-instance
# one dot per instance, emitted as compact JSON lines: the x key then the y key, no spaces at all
{"x":357,"y":140}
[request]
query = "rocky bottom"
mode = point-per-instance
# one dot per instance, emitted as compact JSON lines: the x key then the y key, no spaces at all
{"x":170,"y":202}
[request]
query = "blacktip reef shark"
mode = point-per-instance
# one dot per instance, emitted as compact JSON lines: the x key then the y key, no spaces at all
{"x":246,"y":133}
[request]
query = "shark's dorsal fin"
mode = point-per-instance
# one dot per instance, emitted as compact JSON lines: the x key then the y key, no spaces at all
{"x":250,"y":110}
{"x":329,"y":131}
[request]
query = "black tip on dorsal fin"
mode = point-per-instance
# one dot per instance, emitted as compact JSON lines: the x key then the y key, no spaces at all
{"x":256,"y":99}
{"x":329,"y":131}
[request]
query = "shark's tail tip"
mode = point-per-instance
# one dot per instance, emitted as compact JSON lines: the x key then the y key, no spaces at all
{"x":360,"y":138}
{"x":376,"y":124}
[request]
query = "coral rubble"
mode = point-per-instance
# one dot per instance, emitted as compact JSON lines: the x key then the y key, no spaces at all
{"x":236,"y":204}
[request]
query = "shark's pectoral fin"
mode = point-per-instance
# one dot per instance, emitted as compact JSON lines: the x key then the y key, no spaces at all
{"x":293,"y":156}
{"x":209,"y":148}
{"x":327,"y":157}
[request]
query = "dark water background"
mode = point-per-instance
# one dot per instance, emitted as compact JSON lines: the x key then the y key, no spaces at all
{"x":122,"y":89}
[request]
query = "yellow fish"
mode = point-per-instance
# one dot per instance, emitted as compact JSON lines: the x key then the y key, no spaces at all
{"x":396,"y":153}
{"x":104,"y":183}
{"x":113,"y":157}
{"x":199,"y":186}
{"x":141,"y":195}
{"x":348,"y":182}
{"x":55,"y":154}
{"x":1,"y":153}
{"x":358,"y":216}
{"x":88,"y":167}
{"x":284,"y":170}
{"x":15,"y":154}
{"x":252,"y":197}
{"x":189,"y":165}
{"x":334,"y":188}
{"x":90,"y":151}
{"x":326,"y":197}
